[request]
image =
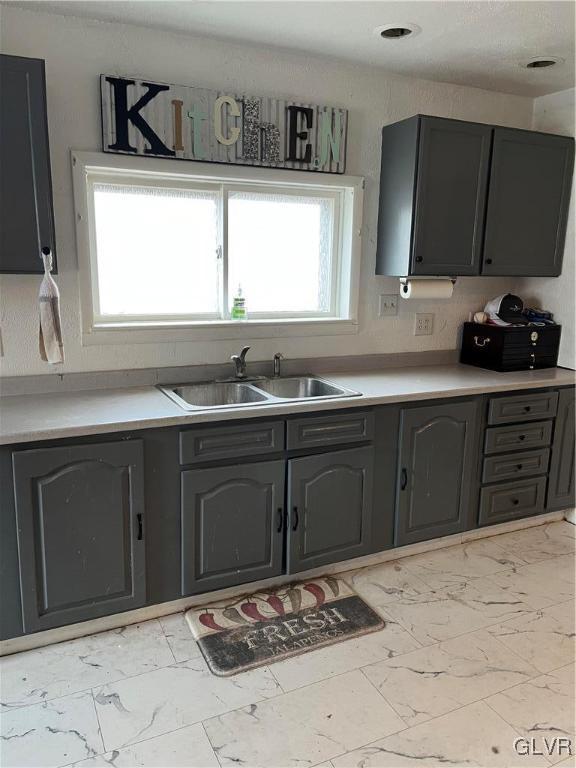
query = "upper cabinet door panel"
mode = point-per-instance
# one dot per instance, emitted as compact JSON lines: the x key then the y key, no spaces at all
{"x":453,"y":163}
{"x":527,"y":203}
{"x":80,"y":531}
{"x":25,"y":187}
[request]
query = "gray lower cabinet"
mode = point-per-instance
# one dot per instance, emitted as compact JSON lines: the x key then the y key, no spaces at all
{"x":438,"y":452}
{"x":561,"y":491}
{"x":80,"y":520}
{"x":330,"y":507}
{"x":232,"y":525}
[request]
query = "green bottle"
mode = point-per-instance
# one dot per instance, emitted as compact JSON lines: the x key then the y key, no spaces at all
{"x":238,"y":306}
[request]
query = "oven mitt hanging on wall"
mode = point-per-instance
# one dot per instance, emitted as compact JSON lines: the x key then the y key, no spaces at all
{"x":50,"y":339}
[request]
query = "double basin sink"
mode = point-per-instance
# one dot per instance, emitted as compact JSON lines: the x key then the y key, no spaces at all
{"x":258,"y":391}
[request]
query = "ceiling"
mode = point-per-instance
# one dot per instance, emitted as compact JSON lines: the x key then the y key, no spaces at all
{"x":477,"y":42}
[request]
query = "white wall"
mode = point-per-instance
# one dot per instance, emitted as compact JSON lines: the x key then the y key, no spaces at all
{"x":555,"y":113}
{"x":77,"y":51}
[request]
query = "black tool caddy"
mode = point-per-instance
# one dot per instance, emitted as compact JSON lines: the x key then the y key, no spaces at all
{"x":510,"y":347}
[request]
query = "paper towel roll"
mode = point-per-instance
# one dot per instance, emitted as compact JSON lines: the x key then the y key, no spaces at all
{"x":426,"y":289}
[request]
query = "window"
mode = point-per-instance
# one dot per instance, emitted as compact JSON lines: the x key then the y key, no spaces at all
{"x":173,"y":248}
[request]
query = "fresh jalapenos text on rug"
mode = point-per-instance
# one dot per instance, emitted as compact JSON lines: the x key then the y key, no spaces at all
{"x":269,"y":626}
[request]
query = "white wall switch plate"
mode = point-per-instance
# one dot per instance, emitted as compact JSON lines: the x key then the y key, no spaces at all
{"x":388,"y":304}
{"x":424,"y":324}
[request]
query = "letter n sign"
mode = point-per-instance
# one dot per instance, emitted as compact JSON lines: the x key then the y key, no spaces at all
{"x":140,"y":117}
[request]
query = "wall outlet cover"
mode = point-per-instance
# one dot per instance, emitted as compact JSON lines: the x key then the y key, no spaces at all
{"x":388,"y":304}
{"x":424,"y":324}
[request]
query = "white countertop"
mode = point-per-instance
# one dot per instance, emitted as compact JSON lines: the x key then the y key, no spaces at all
{"x":28,"y":418}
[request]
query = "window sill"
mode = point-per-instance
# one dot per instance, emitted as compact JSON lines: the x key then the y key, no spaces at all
{"x":215,"y":330}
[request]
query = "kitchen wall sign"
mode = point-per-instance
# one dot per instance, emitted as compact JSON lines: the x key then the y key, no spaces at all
{"x":140,"y":117}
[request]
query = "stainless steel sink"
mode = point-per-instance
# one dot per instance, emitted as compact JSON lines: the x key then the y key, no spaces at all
{"x":214,"y":394}
{"x":302,"y":388}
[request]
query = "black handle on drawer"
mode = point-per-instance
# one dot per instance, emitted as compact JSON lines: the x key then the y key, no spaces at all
{"x":518,"y":467}
{"x":515,"y":502}
{"x":280,"y":513}
{"x":403,"y":479}
{"x":139,"y":519}
{"x":488,"y":261}
{"x":419,"y":259}
{"x":296,"y":518}
{"x":521,"y":437}
{"x":527,"y":408}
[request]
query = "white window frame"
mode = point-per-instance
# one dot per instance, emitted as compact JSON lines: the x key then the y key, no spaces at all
{"x":89,"y":168}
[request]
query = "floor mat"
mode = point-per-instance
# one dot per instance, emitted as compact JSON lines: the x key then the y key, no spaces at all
{"x":263,"y":627}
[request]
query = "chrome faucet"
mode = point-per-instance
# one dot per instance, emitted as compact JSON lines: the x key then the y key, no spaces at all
{"x":240,"y":363}
{"x":277,"y":357}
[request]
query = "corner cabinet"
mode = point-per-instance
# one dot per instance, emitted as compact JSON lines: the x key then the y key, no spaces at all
{"x":461,"y":198}
{"x":330,"y":507}
{"x":232,"y":525}
{"x":25,"y":181}
{"x":80,"y":522}
{"x":437,"y":459}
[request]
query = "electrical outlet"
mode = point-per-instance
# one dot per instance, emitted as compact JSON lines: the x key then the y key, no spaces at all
{"x":424,"y":324}
{"x":388,"y":304}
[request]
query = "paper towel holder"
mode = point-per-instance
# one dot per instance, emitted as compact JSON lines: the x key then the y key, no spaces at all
{"x":407,"y":284}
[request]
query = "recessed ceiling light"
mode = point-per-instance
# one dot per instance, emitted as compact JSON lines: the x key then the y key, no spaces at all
{"x":397,"y":31}
{"x":541,"y":62}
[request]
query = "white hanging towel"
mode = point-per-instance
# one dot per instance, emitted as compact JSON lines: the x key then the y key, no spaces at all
{"x":50,"y":338}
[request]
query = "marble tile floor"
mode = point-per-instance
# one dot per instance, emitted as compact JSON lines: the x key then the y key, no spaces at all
{"x":478,"y":651}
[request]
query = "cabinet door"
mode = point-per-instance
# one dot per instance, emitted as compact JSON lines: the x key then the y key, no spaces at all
{"x":80,"y":531}
{"x":25,"y":184}
{"x":330,"y":507}
{"x":438,"y":451}
{"x":232,"y":525}
{"x":527,"y":203}
{"x":453,"y":162}
{"x":561,"y":494}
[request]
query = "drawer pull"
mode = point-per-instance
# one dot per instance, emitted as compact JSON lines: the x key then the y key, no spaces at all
{"x":280,"y":520}
{"x":481,"y":341}
{"x":521,"y":437}
{"x":527,"y":408}
{"x":518,"y":467}
{"x":515,"y":502}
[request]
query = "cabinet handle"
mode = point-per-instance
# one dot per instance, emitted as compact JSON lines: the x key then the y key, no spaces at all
{"x":515,"y":502}
{"x":296,"y":518}
{"x":488,"y":261}
{"x":521,"y":437}
{"x":527,"y":409}
{"x":403,"y":479}
{"x":139,"y":519}
{"x":518,"y":467}
{"x":419,"y":259}
{"x":280,"y":520}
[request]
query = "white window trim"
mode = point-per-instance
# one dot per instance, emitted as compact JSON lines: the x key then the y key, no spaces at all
{"x":174,"y":172}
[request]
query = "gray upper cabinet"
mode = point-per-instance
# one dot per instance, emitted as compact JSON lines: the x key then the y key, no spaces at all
{"x":528,"y":200}
{"x":26,"y":216}
{"x":80,"y":518}
{"x":561,"y":485}
{"x":460,"y":198}
{"x":438,"y":454}
{"x":330,"y":507}
{"x":451,"y":181}
{"x":232,"y":525}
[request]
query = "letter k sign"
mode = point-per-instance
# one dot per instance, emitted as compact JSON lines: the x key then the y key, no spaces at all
{"x":123,"y":115}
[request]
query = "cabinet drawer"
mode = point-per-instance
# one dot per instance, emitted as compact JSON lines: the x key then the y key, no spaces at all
{"x":330,"y":430}
{"x":513,"y":465}
{"x":504,"y":410}
{"x":536,"y":435}
{"x":508,"y":501}
{"x":231,"y":442}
